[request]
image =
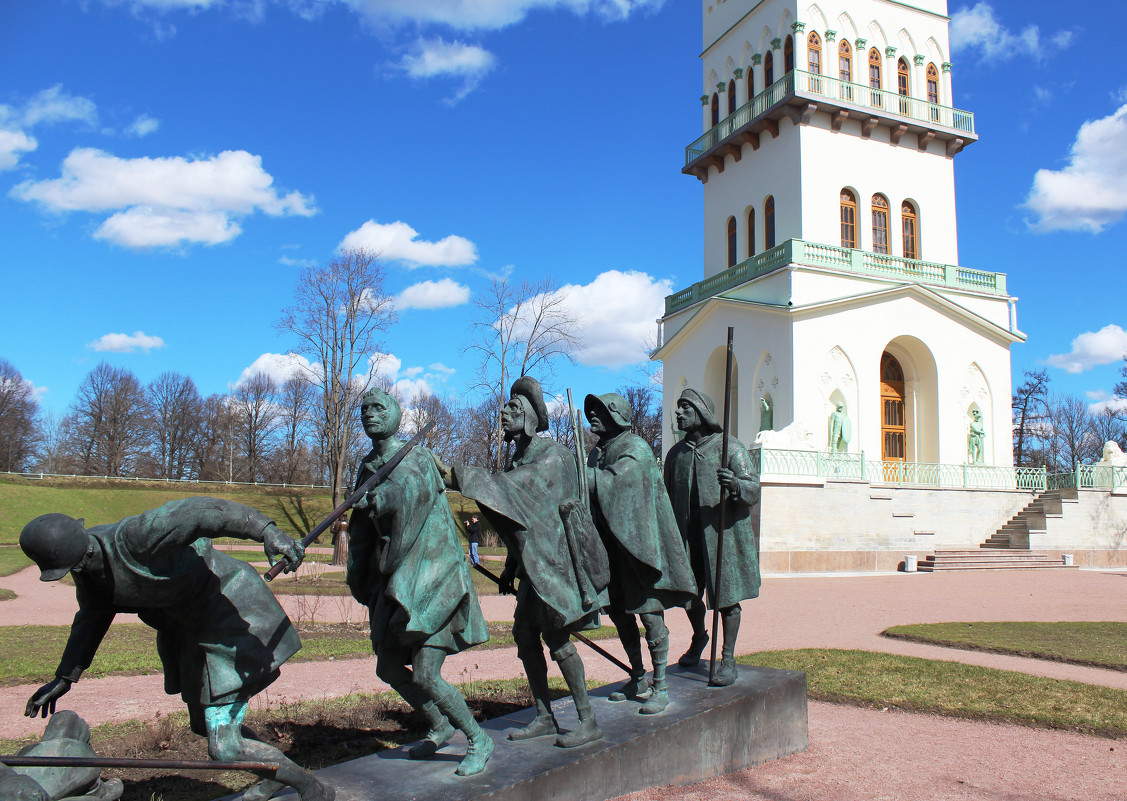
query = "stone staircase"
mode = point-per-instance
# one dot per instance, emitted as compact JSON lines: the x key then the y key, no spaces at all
{"x":1008,"y":547}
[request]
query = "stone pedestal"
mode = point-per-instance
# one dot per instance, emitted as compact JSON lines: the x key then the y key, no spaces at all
{"x":705,"y":732}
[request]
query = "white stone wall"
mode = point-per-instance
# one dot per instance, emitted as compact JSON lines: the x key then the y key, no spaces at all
{"x":1097,"y":520}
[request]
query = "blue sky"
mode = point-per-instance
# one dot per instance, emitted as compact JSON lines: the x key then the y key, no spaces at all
{"x":166,"y":167}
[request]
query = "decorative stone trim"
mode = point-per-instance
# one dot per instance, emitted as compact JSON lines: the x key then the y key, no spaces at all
{"x":704,"y":100}
{"x":889,"y":51}
{"x":798,"y":27}
{"x":860,"y":43}
{"x":776,"y":43}
{"x":830,"y":35}
{"x":757,"y":59}
{"x":738,"y":72}
{"x":919,"y":59}
{"x":946,"y":66}
{"x":721,"y":86}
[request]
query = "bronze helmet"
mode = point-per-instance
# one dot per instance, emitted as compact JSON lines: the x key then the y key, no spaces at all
{"x":56,"y":543}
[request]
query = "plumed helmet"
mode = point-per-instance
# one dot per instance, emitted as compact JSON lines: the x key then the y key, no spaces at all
{"x":704,"y":406}
{"x":617,"y":408}
{"x":56,"y":543}
{"x":529,"y":388}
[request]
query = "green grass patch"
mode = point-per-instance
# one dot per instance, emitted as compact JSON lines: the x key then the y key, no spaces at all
{"x":6,"y":595}
{"x":1097,"y":644}
{"x":953,"y":689}
{"x":32,"y":652}
{"x":12,"y":560}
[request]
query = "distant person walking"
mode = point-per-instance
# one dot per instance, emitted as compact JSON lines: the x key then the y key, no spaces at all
{"x":473,"y":534}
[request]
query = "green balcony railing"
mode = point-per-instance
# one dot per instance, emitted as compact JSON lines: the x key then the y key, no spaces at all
{"x":813,"y":254}
{"x":1090,"y":476}
{"x":798,"y":83}
{"x":853,"y":466}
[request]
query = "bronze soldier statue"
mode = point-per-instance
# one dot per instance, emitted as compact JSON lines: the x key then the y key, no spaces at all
{"x":698,"y":483}
{"x":221,"y":634}
{"x":405,"y":564}
{"x":649,"y":566}
{"x":68,"y":736}
{"x":554,"y":551}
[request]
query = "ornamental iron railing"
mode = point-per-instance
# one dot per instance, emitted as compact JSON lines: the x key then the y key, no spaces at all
{"x":851,"y":260}
{"x":813,"y":86}
{"x":1090,"y":476}
{"x":823,"y":465}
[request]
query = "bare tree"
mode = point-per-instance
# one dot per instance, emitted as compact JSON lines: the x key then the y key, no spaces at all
{"x":1073,"y":440}
{"x":340,"y":310}
{"x":213,"y":439}
{"x":1121,"y":386}
{"x":295,"y":402}
{"x":54,"y":436}
{"x":646,"y":419}
{"x":18,"y":410}
{"x":444,"y":438}
{"x":111,"y":416}
{"x":256,"y":416}
{"x":1109,"y":425}
{"x":1030,"y":407}
{"x":175,"y":404}
{"x":519,"y":328}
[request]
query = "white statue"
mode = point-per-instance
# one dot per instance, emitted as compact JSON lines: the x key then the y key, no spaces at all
{"x":1113,"y":455}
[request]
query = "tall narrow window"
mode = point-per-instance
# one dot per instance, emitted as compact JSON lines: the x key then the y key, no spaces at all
{"x":910,"y":224}
{"x":845,"y":68}
{"x":750,"y":82}
{"x":769,"y":223}
{"x":933,"y":91}
{"x":874,"y":77}
{"x":715,"y":109}
{"x":902,"y":84}
{"x":731,"y":241}
{"x":814,"y":60}
{"x":880,"y":224}
{"x":768,"y":69}
{"x":731,"y":97}
{"x":848,"y":219}
{"x":788,"y":55}
{"x":893,"y":425}
{"x":750,"y":233}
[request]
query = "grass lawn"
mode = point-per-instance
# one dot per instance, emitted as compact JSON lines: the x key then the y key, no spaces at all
{"x":1097,"y":644}
{"x":6,"y":595}
{"x":32,"y":652}
{"x":12,"y":559}
{"x":953,"y":689}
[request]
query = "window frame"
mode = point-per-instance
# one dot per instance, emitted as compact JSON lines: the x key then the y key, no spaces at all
{"x":769,"y":222}
{"x":910,"y":229}
{"x":879,"y":205}
{"x":733,"y":253}
{"x":847,"y":208}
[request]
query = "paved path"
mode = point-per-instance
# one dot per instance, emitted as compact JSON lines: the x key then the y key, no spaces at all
{"x":854,"y":753}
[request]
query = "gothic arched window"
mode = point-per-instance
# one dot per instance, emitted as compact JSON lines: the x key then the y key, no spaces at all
{"x":933,"y":91}
{"x":874,"y":76}
{"x":731,"y":241}
{"x":715,"y":109}
{"x":848,"y":219}
{"x":768,"y":69}
{"x":910,"y":225}
{"x":788,"y":55}
{"x":845,"y":61}
{"x":769,"y":222}
{"x":750,"y":82}
{"x":750,"y":233}
{"x":880,"y":224}
{"x":902,"y":87}
{"x":731,"y":97}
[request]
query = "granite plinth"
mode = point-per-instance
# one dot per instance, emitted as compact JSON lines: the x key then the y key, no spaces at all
{"x":705,"y":732}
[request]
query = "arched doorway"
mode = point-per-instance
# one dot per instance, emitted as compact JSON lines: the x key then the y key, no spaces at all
{"x":893,"y":419}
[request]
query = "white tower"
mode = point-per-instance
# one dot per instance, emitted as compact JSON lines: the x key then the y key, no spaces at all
{"x":830,"y":240}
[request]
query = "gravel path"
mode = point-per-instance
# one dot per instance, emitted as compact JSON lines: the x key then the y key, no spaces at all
{"x":898,"y":755}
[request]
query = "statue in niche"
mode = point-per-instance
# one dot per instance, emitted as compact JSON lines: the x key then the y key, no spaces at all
{"x":697,"y":484}
{"x":976,"y":439}
{"x":221,"y":634}
{"x":554,"y":552}
{"x":649,"y":568}
{"x":405,"y":563}
{"x":841,"y":429}
{"x":766,"y":415}
{"x":66,"y":735}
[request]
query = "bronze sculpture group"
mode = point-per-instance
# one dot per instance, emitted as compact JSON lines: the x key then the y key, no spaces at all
{"x":584,"y":535}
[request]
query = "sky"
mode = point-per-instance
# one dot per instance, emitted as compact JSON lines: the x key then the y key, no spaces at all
{"x":167,"y":168}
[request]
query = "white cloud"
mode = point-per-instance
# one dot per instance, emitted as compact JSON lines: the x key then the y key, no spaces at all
{"x":398,"y":241}
{"x":291,"y":262}
{"x":407,"y":382}
{"x":440,"y":294}
{"x":977,"y":28}
{"x":617,"y":313}
{"x":431,"y":58}
{"x":1103,"y":400}
{"x":1091,"y":192}
{"x":143,"y":126}
{"x":438,"y":368}
{"x":279,"y":366}
{"x":1092,"y":348}
{"x":48,"y":106}
{"x":126,"y":343}
{"x":12,"y":144}
{"x":165,"y":201}
{"x":491,"y":15}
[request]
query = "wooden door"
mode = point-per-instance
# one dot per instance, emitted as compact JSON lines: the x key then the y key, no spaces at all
{"x":893,"y":425}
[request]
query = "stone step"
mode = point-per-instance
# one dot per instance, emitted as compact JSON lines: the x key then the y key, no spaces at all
{"x":925,"y":567}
